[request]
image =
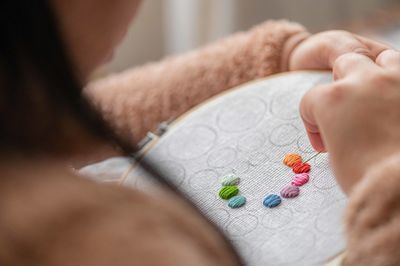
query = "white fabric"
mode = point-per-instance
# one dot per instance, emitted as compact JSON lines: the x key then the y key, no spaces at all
{"x":108,"y":170}
{"x":248,"y":131}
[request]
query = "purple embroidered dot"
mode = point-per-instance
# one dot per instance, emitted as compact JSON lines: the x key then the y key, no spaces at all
{"x":290,"y":191}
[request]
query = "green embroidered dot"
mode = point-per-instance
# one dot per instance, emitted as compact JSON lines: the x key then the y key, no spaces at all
{"x":230,"y":180}
{"x":228,"y":192}
{"x":237,"y":201}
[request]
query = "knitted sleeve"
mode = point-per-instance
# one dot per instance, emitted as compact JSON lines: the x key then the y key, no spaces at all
{"x":135,"y":101}
{"x":373,"y":217}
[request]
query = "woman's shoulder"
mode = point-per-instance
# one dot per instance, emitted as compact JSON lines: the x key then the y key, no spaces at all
{"x":68,"y":220}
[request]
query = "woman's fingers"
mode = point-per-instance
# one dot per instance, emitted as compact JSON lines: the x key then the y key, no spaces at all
{"x":389,"y":59}
{"x":352,"y":63}
{"x":308,"y":106}
{"x":342,"y":42}
{"x":316,"y":141}
{"x":320,"y":51}
{"x":374,"y":47}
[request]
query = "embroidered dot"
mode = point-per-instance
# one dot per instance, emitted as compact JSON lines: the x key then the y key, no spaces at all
{"x":230,"y":180}
{"x":300,"y":179}
{"x":301,"y":168}
{"x":228,"y":192}
{"x":237,"y":201}
{"x":290,"y":191}
{"x":291,"y":159}
{"x":272,"y":201}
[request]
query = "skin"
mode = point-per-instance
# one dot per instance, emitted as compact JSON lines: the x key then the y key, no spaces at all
{"x":320,"y":51}
{"x":356,"y":118}
{"x":93,"y":28}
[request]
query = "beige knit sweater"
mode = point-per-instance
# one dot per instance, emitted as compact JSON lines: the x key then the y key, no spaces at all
{"x":51,"y":217}
{"x":135,"y":101}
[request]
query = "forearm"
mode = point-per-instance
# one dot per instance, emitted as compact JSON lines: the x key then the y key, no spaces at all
{"x":373,"y":216}
{"x":135,"y":101}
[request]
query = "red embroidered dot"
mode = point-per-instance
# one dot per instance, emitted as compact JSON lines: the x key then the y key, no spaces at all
{"x":301,"y":168}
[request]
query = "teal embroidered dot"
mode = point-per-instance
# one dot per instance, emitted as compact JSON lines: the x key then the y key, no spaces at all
{"x":237,"y":201}
{"x":230,"y":180}
{"x":272,"y":201}
{"x":228,"y":192}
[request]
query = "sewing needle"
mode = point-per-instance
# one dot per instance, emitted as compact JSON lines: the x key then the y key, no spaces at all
{"x":312,"y":157}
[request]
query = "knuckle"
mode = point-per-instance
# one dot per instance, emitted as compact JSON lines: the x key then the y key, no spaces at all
{"x":344,"y":60}
{"x":389,"y":60}
{"x":334,"y":93}
{"x":362,"y":51}
{"x":381,"y":57}
{"x":383,"y":79}
{"x":329,"y":96}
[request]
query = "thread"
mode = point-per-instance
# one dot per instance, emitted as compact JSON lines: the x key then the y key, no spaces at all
{"x":272,"y":201}
{"x":290,"y":191}
{"x":312,"y":157}
{"x":291,"y":159}
{"x":300,"y":179}
{"x":230,"y":180}
{"x":228,"y":192}
{"x":300,"y":167}
{"x":237,"y":201}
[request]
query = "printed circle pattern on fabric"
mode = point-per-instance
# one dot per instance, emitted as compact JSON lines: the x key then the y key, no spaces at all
{"x":261,"y":135}
{"x":241,"y":114}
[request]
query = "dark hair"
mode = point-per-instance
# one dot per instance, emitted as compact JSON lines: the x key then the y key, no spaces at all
{"x":41,"y":102}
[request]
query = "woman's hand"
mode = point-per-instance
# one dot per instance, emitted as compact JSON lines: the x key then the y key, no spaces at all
{"x":356,"y":118}
{"x":320,"y":51}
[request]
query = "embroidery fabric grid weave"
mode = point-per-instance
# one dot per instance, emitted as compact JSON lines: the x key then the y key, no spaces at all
{"x":247,"y":132}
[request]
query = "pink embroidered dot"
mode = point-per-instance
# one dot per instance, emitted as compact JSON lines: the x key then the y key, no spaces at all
{"x":300,"y":179}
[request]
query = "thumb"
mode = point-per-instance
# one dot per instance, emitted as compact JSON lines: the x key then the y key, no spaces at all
{"x":307,"y":112}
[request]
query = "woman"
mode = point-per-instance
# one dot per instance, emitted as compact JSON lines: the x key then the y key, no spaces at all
{"x":49,"y":216}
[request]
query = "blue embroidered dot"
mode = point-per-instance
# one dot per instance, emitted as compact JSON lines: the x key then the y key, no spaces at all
{"x":272,"y":201}
{"x":237,"y":201}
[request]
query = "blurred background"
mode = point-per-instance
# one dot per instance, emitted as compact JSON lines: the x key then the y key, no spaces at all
{"x":165,"y":27}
